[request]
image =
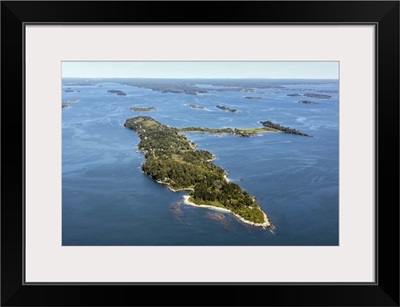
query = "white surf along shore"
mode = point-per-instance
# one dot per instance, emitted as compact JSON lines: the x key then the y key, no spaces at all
{"x":186,"y":201}
{"x":264,"y":225}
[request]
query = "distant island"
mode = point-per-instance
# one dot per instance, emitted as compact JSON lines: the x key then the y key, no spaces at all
{"x":189,"y":91}
{"x":278,"y":127}
{"x":320,"y":96}
{"x":118,"y":92}
{"x":253,"y":97}
{"x":294,"y":95}
{"x":226,"y":109}
{"x":307,"y":102}
{"x":312,"y":95}
{"x":144,"y":109}
{"x":173,"y":160}
{"x":193,"y":106}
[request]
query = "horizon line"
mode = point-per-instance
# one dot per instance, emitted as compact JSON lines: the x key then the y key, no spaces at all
{"x":201,"y":78}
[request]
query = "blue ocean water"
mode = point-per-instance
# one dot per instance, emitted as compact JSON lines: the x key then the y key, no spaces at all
{"x":107,"y":200}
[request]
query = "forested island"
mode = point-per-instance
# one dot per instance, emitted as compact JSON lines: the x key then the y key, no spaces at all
{"x":226,"y":109}
{"x":278,"y":127}
{"x":173,"y":160}
{"x":118,"y":92}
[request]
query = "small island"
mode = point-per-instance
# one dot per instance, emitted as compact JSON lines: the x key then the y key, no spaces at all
{"x":193,"y":106}
{"x":226,"y":109}
{"x":283,"y":129}
{"x":118,"y":92}
{"x":307,"y":102}
{"x":294,"y":95}
{"x":144,"y":109}
{"x":320,"y":96}
{"x":173,"y":160}
{"x":253,"y":97}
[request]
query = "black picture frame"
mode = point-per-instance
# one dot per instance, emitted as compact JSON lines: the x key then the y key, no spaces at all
{"x":383,"y":14}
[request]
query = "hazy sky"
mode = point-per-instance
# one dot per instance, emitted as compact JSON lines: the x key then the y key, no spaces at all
{"x":290,"y":70}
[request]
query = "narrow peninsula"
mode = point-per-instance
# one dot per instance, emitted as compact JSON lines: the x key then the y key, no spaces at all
{"x":173,"y":160}
{"x":246,"y":132}
{"x":278,"y":127}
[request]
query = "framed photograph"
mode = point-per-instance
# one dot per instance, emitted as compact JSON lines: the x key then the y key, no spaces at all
{"x":247,"y":150}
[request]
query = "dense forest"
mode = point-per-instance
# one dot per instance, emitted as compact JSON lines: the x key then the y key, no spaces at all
{"x":272,"y":125}
{"x":173,"y":160}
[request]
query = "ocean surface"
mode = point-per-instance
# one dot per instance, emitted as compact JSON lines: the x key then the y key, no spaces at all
{"x":107,"y":200}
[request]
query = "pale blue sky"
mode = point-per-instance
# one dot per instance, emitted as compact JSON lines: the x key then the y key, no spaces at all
{"x":278,"y":70}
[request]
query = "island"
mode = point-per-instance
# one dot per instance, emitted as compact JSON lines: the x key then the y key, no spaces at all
{"x":226,"y":109}
{"x":253,"y":97}
{"x":232,"y":89}
{"x":144,"y":109}
{"x":174,"y":86}
{"x":278,"y":127}
{"x":320,"y":96}
{"x":173,"y":160}
{"x":294,"y":95}
{"x":193,"y":106}
{"x":118,"y":92}
{"x":307,"y":102}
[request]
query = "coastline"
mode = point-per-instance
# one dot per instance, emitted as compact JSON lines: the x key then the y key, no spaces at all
{"x":266,"y":224}
{"x":186,"y":201}
{"x":227,"y":179}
